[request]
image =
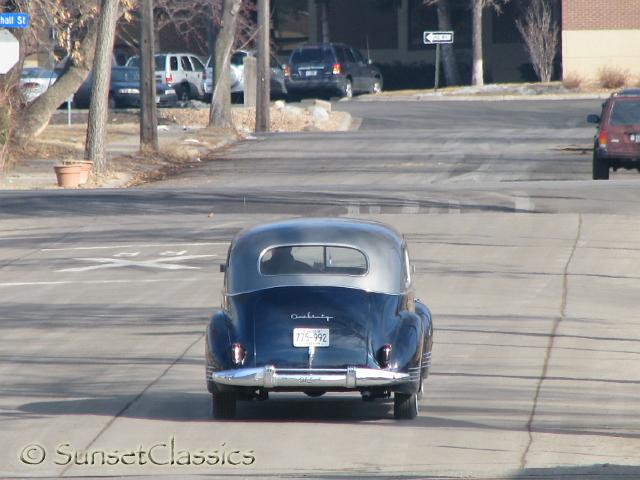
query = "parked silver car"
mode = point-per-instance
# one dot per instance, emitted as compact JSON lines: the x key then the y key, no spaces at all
{"x":236,"y":74}
{"x":35,"y":81}
{"x":184,"y":72}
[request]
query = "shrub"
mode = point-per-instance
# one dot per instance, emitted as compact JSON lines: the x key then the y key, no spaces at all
{"x":572,"y":81}
{"x":612,"y":78}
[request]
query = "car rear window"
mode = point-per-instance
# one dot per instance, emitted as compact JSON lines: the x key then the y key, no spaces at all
{"x":313,"y":259}
{"x":625,"y":112}
{"x":159,"y":61}
{"x":129,"y":75}
{"x":312,"y":55}
{"x":237,"y":59}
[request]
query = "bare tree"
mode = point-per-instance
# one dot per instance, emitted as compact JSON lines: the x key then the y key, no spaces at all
{"x":220,"y":112}
{"x":192,"y":19}
{"x":539,"y":30}
{"x":99,"y":107}
{"x":477,"y":9}
{"x":74,"y":24}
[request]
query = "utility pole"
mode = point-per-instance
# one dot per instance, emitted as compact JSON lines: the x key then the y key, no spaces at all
{"x":264,"y":72}
{"x":148,"y":112}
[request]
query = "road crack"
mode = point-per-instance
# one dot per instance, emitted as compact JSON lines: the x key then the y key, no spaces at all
{"x":550,"y":344}
{"x":133,"y":401}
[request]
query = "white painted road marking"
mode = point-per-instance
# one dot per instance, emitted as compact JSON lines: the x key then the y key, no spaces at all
{"x":127,"y":254}
{"x":171,"y":253}
{"x":118,"y":263}
{"x":83,"y":282}
{"x":158,"y":245}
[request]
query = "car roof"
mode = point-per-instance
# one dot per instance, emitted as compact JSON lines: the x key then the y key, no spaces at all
{"x":628,"y":92}
{"x":382,"y":246}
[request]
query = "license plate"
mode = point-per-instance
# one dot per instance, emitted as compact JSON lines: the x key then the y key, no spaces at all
{"x":635,"y":137}
{"x":157,"y":99}
{"x":310,"y":337}
{"x":311,"y":73}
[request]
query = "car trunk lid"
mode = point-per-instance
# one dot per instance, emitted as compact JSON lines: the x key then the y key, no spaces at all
{"x":345,"y":315}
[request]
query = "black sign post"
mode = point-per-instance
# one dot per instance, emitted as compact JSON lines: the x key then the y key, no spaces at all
{"x":437,"y":38}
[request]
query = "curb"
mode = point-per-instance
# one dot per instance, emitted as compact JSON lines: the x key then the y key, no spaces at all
{"x":430,"y":97}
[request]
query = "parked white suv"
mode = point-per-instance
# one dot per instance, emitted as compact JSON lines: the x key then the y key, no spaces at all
{"x":184,"y":72}
{"x":236,"y":75}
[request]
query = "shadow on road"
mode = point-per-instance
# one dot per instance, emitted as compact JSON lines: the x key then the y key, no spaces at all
{"x":600,"y":472}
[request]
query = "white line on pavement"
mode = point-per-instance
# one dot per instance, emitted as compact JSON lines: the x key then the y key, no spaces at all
{"x":74,"y":282}
{"x":107,"y":247}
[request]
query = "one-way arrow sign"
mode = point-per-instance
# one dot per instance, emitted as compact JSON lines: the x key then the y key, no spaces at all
{"x":432,"y":38}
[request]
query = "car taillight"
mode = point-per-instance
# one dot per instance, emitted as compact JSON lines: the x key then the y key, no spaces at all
{"x":287,"y":71}
{"x":602,"y":139}
{"x":169,"y":78}
{"x":336,"y":69}
{"x":238,"y":354}
{"x":384,"y":355}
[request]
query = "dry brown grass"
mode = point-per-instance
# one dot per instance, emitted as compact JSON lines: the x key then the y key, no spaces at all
{"x":572,"y":81}
{"x":612,"y":78}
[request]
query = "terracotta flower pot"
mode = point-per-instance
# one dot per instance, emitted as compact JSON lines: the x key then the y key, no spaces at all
{"x":86,"y":170}
{"x":68,"y":175}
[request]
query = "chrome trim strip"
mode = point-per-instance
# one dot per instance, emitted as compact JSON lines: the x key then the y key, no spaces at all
{"x":270,"y":377}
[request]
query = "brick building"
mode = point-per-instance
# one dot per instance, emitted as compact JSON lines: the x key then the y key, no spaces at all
{"x":599,"y":34}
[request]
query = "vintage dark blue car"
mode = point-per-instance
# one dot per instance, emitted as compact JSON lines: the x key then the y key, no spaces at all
{"x":318,"y":305}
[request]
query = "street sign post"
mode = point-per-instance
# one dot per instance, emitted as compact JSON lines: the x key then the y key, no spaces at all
{"x":14,"y":20}
{"x":10,"y":48}
{"x":437,"y":38}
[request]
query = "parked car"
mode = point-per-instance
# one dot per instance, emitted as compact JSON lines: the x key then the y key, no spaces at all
{"x":617,"y":140}
{"x":331,"y":67}
{"x":124,"y":90}
{"x":184,"y":72}
{"x":236,"y":74}
{"x":35,"y":81}
{"x":318,"y":305}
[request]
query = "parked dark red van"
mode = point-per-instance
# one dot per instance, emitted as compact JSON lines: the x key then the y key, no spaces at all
{"x":617,"y":141}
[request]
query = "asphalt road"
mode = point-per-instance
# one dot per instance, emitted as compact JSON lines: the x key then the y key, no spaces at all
{"x":531,"y":271}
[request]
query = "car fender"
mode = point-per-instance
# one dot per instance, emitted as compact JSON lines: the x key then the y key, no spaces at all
{"x":218,"y":345}
{"x":427,"y":321}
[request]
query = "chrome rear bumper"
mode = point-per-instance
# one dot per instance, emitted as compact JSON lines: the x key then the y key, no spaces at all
{"x":271,"y":377}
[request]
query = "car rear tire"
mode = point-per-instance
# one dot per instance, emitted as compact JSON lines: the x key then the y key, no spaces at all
{"x":376,"y":87}
{"x":183,"y":93}
{"x":405,"y":406}
{"x":347,"y":89}
{"x":223,"y":405}
{"x":600,"y":168}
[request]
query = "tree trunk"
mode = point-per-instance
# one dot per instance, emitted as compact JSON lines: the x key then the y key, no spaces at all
{"x":220,"y":112}
{"x":477,"y":77}
{"x":148,"y":113}
{"x":263,"y":96}
{"x":324,"y":20}
{"x":99,"y":108}
{"x":10,"y":99}
{"x":35,"y":117}
{"x":449,"y":61}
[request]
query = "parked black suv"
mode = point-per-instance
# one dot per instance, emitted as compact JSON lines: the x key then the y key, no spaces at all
{"x":332,"y":68}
